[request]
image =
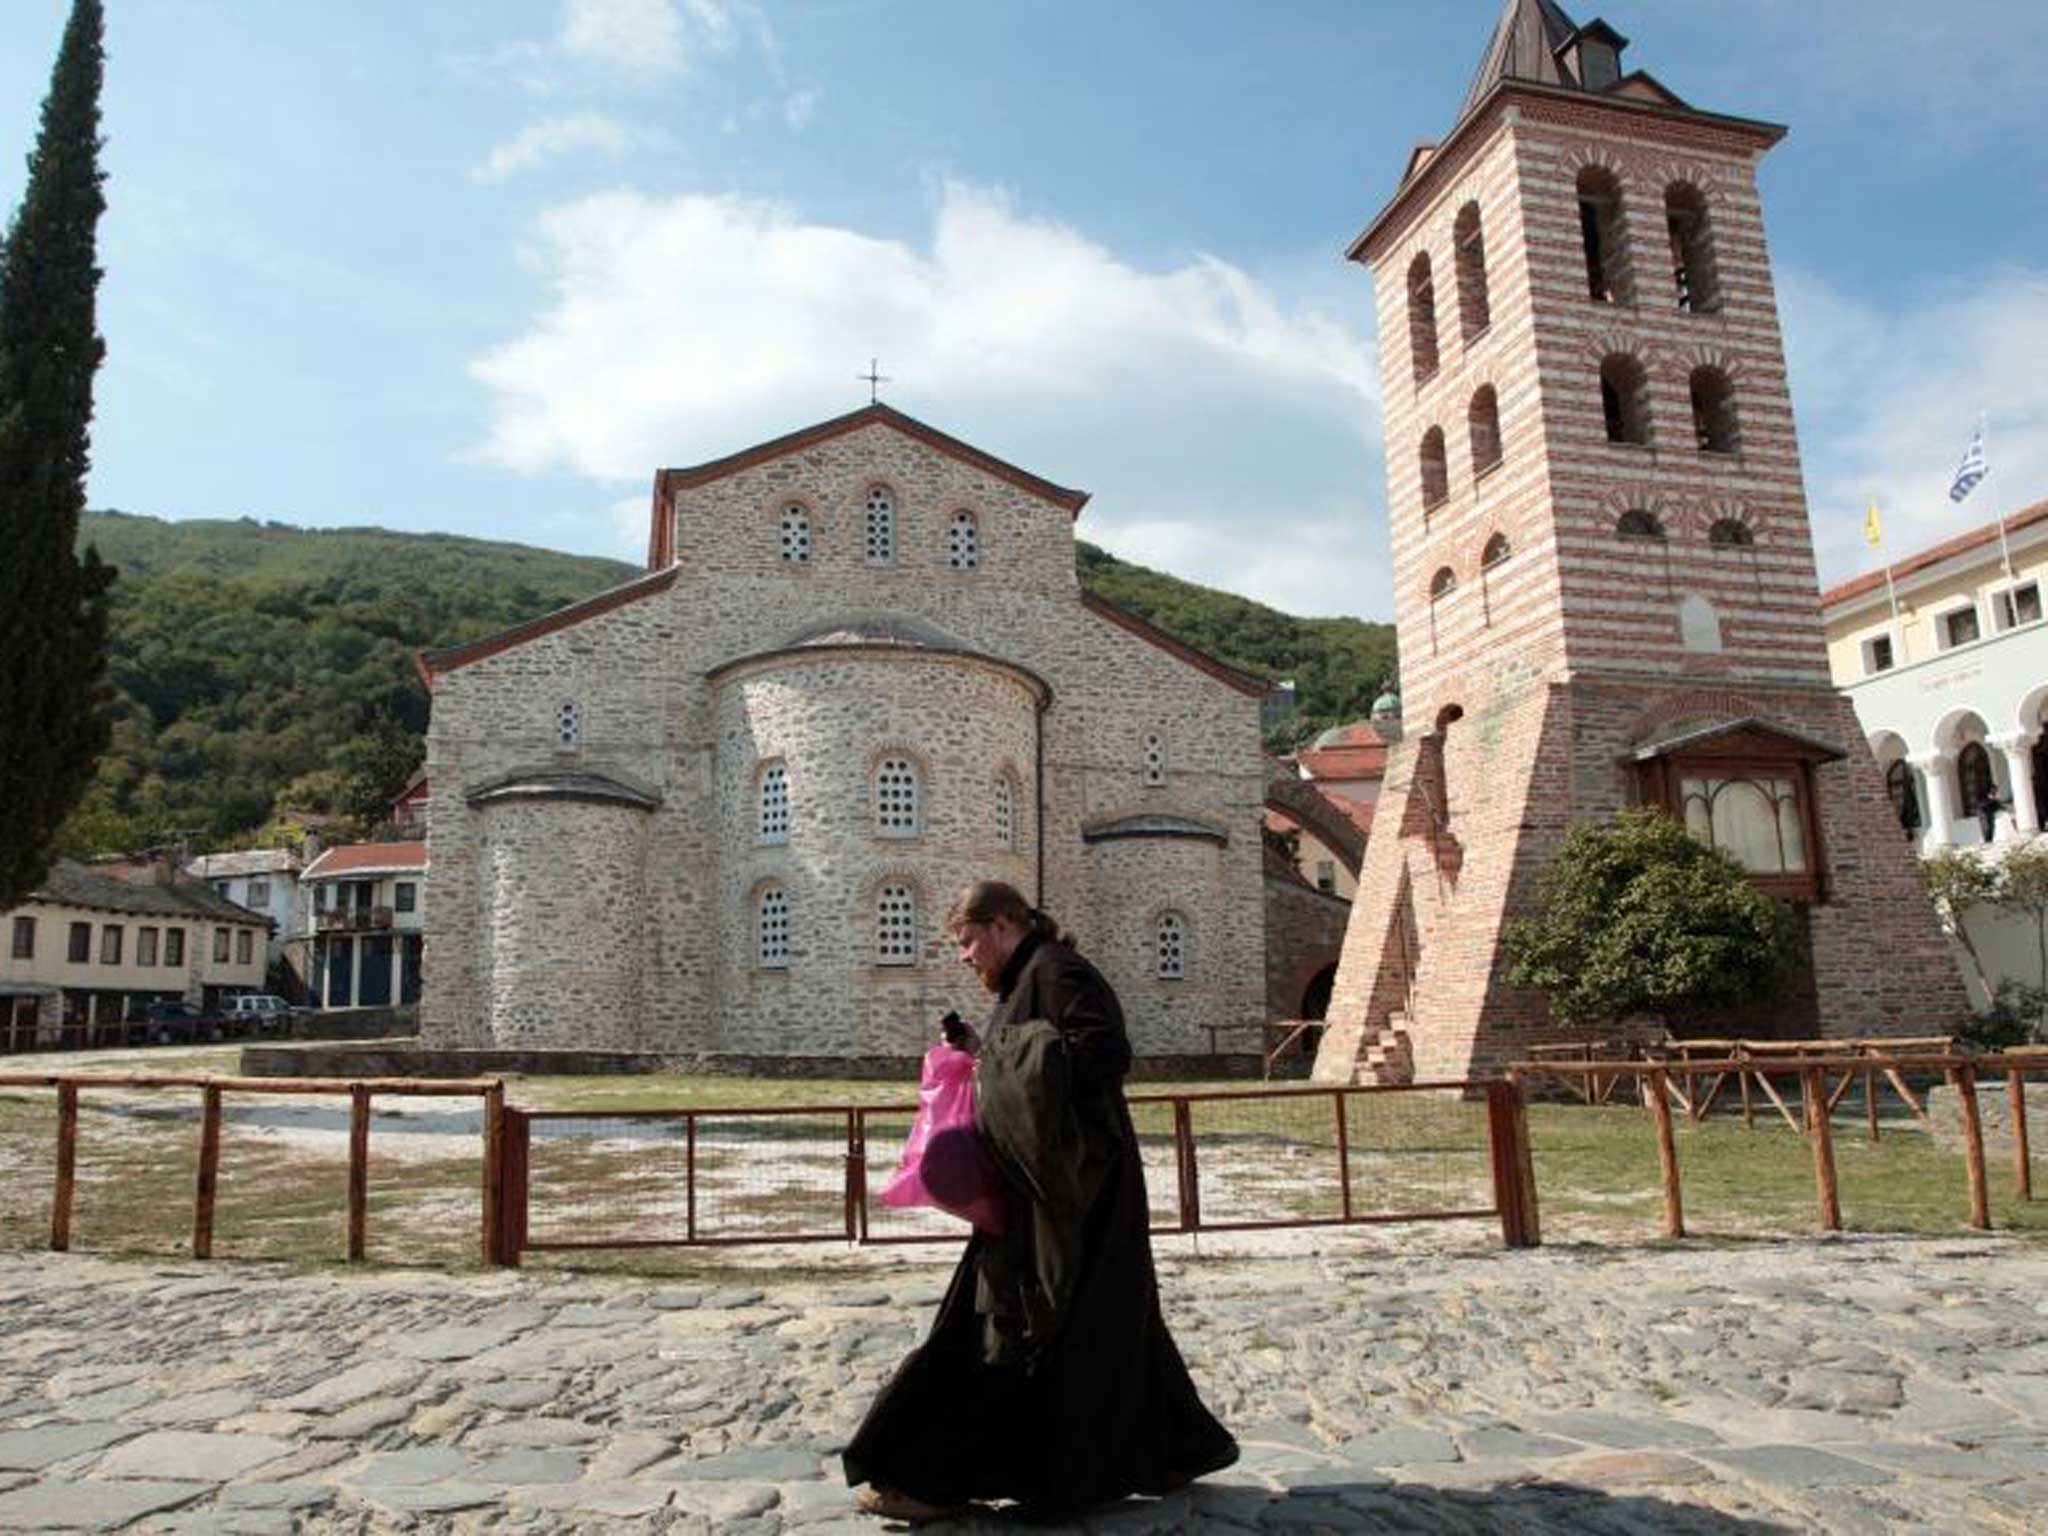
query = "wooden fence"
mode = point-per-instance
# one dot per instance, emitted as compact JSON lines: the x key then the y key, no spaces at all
{"x":212,"y":1092}
{"x":1660,"y":1086}
{"x":1453,"y":1138}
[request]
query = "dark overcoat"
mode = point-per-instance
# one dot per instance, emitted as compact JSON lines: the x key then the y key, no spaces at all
{"x":1049,"y":1376}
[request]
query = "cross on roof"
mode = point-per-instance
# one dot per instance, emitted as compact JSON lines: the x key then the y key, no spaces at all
{"x":875,"y":379}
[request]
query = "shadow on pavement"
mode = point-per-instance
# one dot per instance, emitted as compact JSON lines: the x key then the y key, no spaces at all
{"x":1511,"y":1509}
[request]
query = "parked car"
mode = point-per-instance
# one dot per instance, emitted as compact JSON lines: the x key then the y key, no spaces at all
{"x":259,"y":1013}
{"x":173,"y":1023}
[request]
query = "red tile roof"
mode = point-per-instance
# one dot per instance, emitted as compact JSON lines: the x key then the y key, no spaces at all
{"x":1934,"y":554}
{"x":1361,"y":762}
{"x":362,"y":858}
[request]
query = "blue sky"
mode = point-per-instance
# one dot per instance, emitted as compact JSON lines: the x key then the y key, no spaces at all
{"x":482,"y":268}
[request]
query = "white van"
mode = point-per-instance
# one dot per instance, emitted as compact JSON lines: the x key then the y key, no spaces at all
{"x":264,"y":1011}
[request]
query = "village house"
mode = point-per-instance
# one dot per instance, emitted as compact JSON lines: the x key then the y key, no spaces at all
{"x":365,"y":921}
{"x":264,"y":880}
{"x":90,"y":950}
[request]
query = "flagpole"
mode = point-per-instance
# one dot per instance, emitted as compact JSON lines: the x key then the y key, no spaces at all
{"x":2004,"y":549}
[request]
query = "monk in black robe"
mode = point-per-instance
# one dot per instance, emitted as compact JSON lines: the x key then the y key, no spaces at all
{"x":1049,"y":1377}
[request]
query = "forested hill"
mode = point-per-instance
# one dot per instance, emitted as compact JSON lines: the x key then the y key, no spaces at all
{"x":260,"y":668}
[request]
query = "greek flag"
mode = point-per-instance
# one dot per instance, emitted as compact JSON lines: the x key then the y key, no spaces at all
{"x":1971,"y":470}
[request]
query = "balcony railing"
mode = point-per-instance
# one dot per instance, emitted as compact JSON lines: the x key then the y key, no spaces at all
{"x":352,"y":919}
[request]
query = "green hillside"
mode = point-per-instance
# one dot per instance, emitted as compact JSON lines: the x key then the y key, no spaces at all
{"x":259,"y":668}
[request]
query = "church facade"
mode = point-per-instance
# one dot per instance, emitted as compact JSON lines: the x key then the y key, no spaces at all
{"x":722,"y":809}
{"x":1604,"y":574}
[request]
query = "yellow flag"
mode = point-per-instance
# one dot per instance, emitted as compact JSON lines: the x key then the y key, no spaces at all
{"x":1870,"y":529}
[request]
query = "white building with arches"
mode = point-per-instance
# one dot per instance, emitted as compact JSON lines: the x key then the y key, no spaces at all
{"x":1948,"y":670}
{"x":722,"y":809}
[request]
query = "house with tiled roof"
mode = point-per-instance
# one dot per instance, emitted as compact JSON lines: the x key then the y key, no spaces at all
{"x":92,"y":947}
{"x":264,"y":880}
{"x":1944,"y":653}
{"x":365,"y":921}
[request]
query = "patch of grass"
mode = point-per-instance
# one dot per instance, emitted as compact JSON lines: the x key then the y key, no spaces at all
{"x":1597,"y":1176}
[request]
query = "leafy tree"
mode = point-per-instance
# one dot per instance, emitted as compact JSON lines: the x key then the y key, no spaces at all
{"x":53,"y":605}
{"x":2024,"y":892}
{"x":1636,"y":917}
{"x":1957,"y":881}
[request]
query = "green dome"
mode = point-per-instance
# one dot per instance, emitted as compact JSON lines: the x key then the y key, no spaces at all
{"x":1387,"y":705}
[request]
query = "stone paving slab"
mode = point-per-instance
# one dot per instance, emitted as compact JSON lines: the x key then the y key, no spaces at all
{"x":1860,"y":1385}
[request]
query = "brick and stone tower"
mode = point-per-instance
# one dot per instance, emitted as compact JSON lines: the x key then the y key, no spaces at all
{"x":1604,"y":578}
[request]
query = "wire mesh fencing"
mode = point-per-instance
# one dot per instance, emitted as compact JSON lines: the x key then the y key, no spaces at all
{"x":1223,"y":1161}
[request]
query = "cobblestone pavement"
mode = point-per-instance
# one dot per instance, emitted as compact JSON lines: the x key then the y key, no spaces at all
{"x":1854,"y":1385}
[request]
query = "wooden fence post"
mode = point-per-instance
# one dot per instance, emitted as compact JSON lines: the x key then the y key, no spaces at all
{"x":1667,"y":1153}
{"x":209,"y":1172}
{"x":516,"y":1195}
{"x":1190,"y":1189}
{"x":1963,"y":1079}
{"x":2022,"y":1158}
{"x":67,"y":1167}
{"x":856,"y":1175}
{"x":1343,"y":1152}
{"x":1870,"y":1100}
{"x":1827,"y":1194}
{"x":1507,"y":1178}
{"x":494,"y":1174}
{"x":1525,"y":1164}
{"x":358,"y":1170}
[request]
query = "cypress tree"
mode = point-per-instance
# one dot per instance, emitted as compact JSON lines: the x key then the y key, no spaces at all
{"x":53,"y":605}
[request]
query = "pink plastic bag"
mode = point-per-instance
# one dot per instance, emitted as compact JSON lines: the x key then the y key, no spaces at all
{"x":945,"y":1165}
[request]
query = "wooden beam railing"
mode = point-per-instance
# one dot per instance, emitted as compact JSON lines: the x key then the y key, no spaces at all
{"x":1660,"y":1087}
{"x":213,"y":1092}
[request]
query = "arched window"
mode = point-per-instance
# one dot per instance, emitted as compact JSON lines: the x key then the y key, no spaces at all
{"x":896,"y":925}
{"x":1483,"y":421}
{"x":881,"y":526}
{"x":1003,"y":810}
{"x":1905,"y":794}
{"x":1436,"y":473}
{"x":1604,"y":234}
{"x":1475,"y":311}
{"x":569,"y":725}
{"x":1422,"y":316}
{"x":1172,"y":939}
{"x":1973,"y":776}
{"x":1624,"y":399}
{"x":774,"y":805}
{"x":1730,"y":533}
{"x":896,"y":797}
{"x":1443,"y":583}
{"x":1635,"y":523}
{"x":963,"y":542}
{"x":796,"y":534}
{"x":1692,"y":247}
{"x":1495,"y":553}
{"x":1153,"y":758}
{"x":1713,"y":411}
{"x":1756,"y":819}
{"x":771,"y":928}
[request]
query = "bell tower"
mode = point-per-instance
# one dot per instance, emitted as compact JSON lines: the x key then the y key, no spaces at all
{"x":1604,"y":578}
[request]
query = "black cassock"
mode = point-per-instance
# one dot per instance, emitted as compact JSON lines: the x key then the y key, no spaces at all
{"x":1049,"y":1376}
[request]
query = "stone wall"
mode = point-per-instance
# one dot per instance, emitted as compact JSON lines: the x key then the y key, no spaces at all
{"x":638,"y":668}
{"x":1304,"y":935}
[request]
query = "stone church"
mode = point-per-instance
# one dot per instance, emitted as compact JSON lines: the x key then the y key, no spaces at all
{"x":1604,"y":574}
{"x":722,"y":809}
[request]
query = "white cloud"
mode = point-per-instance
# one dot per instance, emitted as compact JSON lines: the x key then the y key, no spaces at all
{"x":551,"y":138}
{"x":1226,"y":427}
{"x":647,"y":37}
{"x":798,"y":108}
{"x":1887,"y":401}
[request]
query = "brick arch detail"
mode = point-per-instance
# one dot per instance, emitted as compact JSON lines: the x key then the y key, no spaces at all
{"x":1712,"y":509}
{"x":1701,"y":175}
{"x":1331,"y":827}
{"x":1608,"y":340}
{"x":1703,"y":354}
{"x":1704,"y":704}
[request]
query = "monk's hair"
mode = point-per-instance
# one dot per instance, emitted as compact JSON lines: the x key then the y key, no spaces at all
{"x":986,"y":900}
